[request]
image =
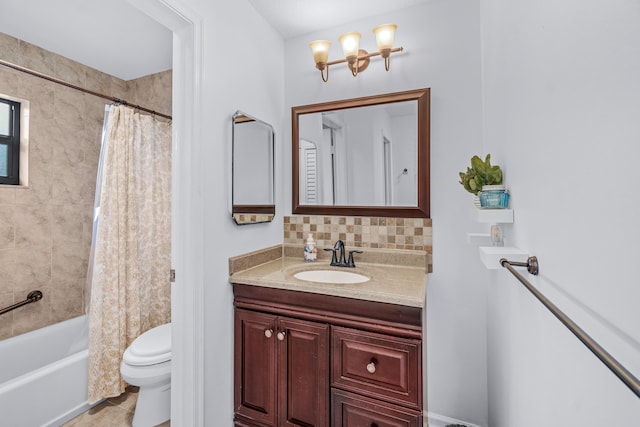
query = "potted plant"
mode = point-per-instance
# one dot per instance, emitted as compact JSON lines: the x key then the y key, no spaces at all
{"x":482,"y":175}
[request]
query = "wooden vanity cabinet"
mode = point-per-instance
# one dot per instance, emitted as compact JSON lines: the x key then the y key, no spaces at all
{"x":282,"y":370}
{"x":313,"y":360}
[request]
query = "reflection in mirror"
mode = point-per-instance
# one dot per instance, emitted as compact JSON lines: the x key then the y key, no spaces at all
{"x":252,"y":192}
{"x":360,"y":156}
{"x":365,"y":156}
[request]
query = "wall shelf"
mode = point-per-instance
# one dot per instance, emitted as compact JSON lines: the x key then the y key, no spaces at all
{"x":479,"y":239}
{"x":494,"y":216}
{"x":491,"y":255}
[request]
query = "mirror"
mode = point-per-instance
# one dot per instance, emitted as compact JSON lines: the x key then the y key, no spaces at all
{"x":252,"y":188}
{"x":363,"y":156}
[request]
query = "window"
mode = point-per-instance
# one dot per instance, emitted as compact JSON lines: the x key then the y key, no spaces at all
{"x":9,"y":142}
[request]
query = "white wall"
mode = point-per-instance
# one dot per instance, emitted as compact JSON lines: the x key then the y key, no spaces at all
{"x":244,"y":72}
{"x":561,"y":109}
{"x":442,"y":51}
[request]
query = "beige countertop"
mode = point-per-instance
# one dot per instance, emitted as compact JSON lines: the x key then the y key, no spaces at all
{"x":388,"y":283}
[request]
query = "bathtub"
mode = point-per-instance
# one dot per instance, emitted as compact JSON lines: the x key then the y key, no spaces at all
{"x":43,"y":375}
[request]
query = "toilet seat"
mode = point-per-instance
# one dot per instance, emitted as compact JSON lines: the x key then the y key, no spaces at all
{"x":150,"y":348}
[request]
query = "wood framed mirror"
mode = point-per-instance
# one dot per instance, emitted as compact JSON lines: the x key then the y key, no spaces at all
{"x":364,"y":156}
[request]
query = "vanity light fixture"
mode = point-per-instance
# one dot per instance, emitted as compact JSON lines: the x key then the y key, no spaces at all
{"x":357,"y":59}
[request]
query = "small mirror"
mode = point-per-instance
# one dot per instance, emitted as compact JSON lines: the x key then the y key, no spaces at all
{"x":364,"y":156}
{"x":253,"y":191}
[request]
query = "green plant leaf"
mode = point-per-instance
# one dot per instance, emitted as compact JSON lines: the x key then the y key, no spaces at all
{"x":489,"y":174}
{"x":479,"y":174}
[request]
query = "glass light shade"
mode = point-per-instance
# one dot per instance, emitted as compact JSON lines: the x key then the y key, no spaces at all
{"x":350,"y":44}
{"x":320,"y":49}
{"x":384,"y":35}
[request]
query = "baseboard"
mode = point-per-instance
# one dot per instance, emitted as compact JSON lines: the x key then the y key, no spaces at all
{"x":72,"y":413}
{"x":437,"y":420}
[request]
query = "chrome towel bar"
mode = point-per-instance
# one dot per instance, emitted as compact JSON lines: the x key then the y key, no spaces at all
{"x":33,"y":296}
{"x":620,"y":371}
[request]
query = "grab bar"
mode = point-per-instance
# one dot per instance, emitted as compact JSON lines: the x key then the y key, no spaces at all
{"x":33,"y":296}
{"x":620,"y":371}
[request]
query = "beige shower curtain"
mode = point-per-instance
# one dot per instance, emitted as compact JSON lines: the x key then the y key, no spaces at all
{"x":130,"y":283}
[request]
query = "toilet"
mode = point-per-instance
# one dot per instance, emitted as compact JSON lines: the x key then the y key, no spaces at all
{"x":147,"y":364}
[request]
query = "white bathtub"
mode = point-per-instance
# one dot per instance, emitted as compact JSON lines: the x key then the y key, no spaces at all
{"x":43,"y":375}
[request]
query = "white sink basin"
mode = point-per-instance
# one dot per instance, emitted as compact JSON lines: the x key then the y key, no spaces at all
{"x":331,"y":276}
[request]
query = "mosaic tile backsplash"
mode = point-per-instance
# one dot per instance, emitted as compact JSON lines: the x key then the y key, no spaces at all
{"x":365,"y":232}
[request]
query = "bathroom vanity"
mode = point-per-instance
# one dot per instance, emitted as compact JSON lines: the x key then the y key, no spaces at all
{"x":321,"y":354}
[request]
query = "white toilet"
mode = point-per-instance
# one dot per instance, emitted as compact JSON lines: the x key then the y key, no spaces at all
{"x":147,"y":364}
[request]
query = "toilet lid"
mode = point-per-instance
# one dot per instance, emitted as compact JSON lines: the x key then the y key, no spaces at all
{"x":150,"y":348}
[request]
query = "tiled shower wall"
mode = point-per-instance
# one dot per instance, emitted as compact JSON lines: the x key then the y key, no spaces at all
{"x":45,"y":229}
{"x":364,"y":232}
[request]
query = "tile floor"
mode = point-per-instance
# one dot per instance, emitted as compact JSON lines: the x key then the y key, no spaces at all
{"x":114,"y":412}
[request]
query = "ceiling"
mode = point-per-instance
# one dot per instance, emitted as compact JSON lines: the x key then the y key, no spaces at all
{"x":112,"y":36}
{"x":116,"y":38}
{"x":292,"y":18}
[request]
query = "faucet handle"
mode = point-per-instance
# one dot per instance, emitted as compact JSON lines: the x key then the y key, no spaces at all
{"x":334,"y":260}
{"x":350,"y":263}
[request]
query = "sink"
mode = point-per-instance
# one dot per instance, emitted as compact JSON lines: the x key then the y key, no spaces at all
{"x":331,"y":276}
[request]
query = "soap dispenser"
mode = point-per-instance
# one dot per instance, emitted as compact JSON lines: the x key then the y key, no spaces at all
{"x":310,"y":249}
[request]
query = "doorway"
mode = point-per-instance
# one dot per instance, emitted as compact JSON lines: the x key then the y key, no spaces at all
{"x":187,"y":311}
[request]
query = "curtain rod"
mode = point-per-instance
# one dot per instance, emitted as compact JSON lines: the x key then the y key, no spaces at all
{"x":81,"y":89}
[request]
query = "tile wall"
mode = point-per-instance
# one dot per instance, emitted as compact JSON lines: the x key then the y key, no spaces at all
{"x":365,"y":232}
{"x":45,"y":229}
{"x":252,"y":218}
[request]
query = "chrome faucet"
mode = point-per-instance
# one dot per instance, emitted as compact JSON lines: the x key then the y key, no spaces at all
{"x":341,"y":260}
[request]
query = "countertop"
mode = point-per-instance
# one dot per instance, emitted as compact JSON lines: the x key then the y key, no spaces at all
{"x":393,"y":284}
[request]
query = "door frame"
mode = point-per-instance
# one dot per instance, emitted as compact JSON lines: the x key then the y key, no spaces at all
{"x":187,"y":242}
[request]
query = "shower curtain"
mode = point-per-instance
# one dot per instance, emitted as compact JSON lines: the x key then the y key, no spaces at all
{"x":131,"y":256}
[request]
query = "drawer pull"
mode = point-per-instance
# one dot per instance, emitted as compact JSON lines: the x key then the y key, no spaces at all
{"x":371,"y":367}
{"x":281,"y":336}
{"x":268,"y":333}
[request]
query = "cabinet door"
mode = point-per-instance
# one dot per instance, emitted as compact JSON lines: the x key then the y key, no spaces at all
{"x":255,"y":366}
{"x":303,"y":356}
{"x":352,"y":410}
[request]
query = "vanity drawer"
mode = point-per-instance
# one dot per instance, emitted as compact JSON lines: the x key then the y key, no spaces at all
{"x":351,"y":410}
{"x":377,"y":365}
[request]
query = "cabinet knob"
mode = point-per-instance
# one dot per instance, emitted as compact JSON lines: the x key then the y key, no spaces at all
{"x":371,"y":367}
{"x":268,"y":333}
{"x":281,"y":336}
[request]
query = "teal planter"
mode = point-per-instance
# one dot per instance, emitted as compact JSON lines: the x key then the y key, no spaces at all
{"x":494,"y":197}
